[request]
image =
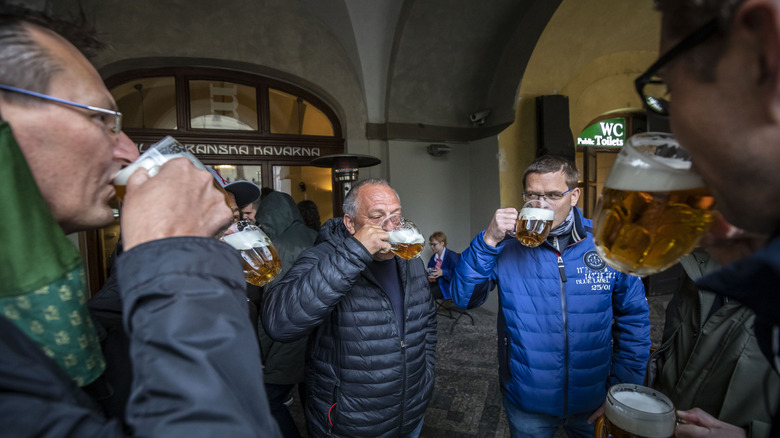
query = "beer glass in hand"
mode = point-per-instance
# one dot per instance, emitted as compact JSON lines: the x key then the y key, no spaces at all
{"x":260,"y":260}
{"x":636,"y":411}
{"x":653,"y":209}
{"x":406,"y":240}
{"x":158,"y":154}
{"x":534,"y":222}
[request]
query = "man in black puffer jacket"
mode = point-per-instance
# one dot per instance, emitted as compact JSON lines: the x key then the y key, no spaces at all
{"x":370,"y":360}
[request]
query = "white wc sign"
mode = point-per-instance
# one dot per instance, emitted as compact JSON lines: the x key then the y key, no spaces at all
{"x":610,"y":133}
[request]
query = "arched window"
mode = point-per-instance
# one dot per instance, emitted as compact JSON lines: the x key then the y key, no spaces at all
{"x":246,"y":126}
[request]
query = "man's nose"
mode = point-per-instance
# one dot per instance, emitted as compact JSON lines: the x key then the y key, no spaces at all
{"x":125,"y":150}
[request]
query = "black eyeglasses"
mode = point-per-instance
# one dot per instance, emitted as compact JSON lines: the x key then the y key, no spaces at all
{"x":651,"y":86}
{"x":554,"y":196}
{"x":112,"y":120}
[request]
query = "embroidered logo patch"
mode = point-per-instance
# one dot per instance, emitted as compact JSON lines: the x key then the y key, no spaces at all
{"x":593,"y":261}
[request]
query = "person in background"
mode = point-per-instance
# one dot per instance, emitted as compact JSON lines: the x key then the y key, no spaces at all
{"x":569,"y":326}
{"x":310,"y":213}
{"x":709,"y":357}
{"x":441,"y":266}
{"x":283,"y":362}
{"x":194,"y":357}
{"x":371,"y":321}
{"x":245,"y":194}
{"x":243,"y":191}
{"x":720,"y":57}
{"x":249,"y":211}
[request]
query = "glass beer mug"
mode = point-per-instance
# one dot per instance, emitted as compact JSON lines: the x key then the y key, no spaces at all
{"x":406,"y":240}
{"x":636,"y":411}
{"x":153,"y":158}
{"x":259,"y":259}
{"x":158,"y":154}
{"x":654,"y":209}
{"x":534,"y":222}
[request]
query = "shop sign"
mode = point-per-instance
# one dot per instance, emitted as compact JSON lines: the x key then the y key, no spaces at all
{"x":610,"y":133}
{"x":245,"y":150}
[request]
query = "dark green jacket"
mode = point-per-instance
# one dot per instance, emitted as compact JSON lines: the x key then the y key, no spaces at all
{"x":714,"y":363}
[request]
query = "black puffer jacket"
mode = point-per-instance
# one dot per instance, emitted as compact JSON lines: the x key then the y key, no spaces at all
{"x":364,"y":378}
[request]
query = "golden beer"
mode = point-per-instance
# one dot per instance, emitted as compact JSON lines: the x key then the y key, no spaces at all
{"x":533,"y":225}
{"x":406,"y":240}
{"x":636,"y":411}
{"x":653,"y":210}
{"x":260,"y":260}
{"x":260,"y":265}
{"x":643,"y":232}
{"x":407,"y":251}
{"x":120,"y":192}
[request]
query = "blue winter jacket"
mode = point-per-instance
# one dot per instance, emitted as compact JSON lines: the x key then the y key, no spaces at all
{"x":568,"y":326}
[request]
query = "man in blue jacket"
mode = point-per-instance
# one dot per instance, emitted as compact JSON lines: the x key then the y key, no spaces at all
{"x":569,"y":327}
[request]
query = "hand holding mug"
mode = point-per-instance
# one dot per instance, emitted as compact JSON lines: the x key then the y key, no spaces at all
{"x":503,"y":222}
{"x":147,"y":209}
{"x":373,"y":238}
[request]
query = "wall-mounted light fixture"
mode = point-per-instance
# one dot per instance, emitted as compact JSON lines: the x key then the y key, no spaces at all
{"x":437,"y":150}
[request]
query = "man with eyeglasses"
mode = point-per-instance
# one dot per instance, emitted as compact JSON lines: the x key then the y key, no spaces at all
{"x":558,"y":347}
{"x":195,"y":360}
{"x":370,"y":320}
{"x":721,"y":58}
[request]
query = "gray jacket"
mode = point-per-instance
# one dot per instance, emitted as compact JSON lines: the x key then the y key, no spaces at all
{"x":282,"y":222}
{"x":710,"y":359}
{"x":364,"y":377}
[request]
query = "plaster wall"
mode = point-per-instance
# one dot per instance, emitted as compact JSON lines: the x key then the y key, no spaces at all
{"x":596,"y":73}
{"x":456,"y":193}
{"x":274,"y":37}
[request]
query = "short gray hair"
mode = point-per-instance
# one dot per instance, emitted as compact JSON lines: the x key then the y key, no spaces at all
{"x":350,"y":206}
{"x":23,"y":62}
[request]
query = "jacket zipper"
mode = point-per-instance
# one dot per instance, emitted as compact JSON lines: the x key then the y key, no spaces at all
{"x":562,"y":273}
{"x":403,"y":352}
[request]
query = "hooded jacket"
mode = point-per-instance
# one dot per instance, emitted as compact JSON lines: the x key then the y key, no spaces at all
{"x":282,"y":222}
{"x":365,"y":377}
{"x":569,"y":327}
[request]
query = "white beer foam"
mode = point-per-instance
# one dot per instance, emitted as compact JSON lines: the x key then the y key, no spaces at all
{"x":406,"y":236}
{"x":641,"y":402}
{"x":246,"y":239}
{"x":645,"y":179}
{"x":539,"y":214}
{"x":647,"y":416}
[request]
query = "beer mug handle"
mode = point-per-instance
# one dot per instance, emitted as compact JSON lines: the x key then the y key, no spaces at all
{"x":513,"y":233}
{"x":598,"y":427}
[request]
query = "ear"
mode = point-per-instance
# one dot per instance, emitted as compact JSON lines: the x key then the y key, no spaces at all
{"x":349,"y":223}
{"x":575,"y":196}
{"x":757,"y":22}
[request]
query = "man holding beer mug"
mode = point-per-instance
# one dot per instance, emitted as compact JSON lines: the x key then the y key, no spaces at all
{"x":559,"y":349}
{"x":722,"y":59}
{"x":194,"y":356}
{"x":370,"y":357}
